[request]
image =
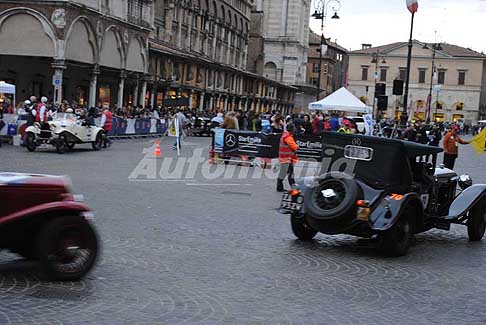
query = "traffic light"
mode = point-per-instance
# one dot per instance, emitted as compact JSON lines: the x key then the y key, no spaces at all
{"x":382,"y":103}
{"x":380,"y":90}
{"x":398,"y":87}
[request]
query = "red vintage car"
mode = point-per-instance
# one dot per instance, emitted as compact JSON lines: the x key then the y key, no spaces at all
{"x":41,"y":219}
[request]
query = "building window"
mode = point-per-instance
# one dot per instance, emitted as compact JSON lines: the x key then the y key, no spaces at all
{"x":442,"y":76}
{"x":383,"y":75}
{"x":315,"y":68}
{"x":421,"y":76}
{"x":459,"y":106}
{"x":315,"y":81}
{"x":462,"y":78}
{"x":135,"y":12}
{"x":364,"y":73}
{"x":402,"y":74}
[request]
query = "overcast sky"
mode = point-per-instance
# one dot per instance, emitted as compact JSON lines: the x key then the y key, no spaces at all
{"x":378,"y":22}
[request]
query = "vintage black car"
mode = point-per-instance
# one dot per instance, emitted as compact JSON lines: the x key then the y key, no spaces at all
{"x":385,"y":189}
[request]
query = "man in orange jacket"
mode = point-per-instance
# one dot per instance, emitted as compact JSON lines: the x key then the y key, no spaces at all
{"x":450,"y":142}
{"x":287,"y":157}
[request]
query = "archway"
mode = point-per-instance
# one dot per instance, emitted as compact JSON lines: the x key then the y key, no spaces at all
{"x":270,"y":70}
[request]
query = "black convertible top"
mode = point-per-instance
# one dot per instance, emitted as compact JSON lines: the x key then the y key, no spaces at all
{"x":390,"y":165}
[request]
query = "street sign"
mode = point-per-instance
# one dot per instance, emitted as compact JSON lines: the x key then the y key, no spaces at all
{"x":57,"y":80}
{"x":437,"y":88}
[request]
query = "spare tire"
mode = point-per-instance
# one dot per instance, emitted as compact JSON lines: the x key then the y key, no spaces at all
{"x":333,"y":199}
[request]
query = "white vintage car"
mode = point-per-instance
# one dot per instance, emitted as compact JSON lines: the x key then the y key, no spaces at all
{"x":63,"y":132}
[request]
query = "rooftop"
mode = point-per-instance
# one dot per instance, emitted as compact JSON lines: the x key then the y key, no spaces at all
{"x":448,"y":49}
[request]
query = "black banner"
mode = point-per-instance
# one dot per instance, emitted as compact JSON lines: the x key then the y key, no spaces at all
{"x":257,"y":144}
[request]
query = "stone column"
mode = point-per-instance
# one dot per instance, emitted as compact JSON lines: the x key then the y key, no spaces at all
{"x":191,"y":92}
{"x":201,"y":101}
{"x":59,"y":68}
{"x":225,"y":107}
{"x":136,"y":93}
{"x":211,"y":101}
{"x":215,"y":37}
{"x":153,"y":94}
{"x":121,"y":88}
{"x":93,"y":87}
{"x":179,"y":29}
{"x":233,"y":102}
{"x":144,"y":93}
{"x":218,"y":98}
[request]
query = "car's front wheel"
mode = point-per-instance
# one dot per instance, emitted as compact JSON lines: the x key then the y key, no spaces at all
{"x":67,"y":248}
{"x":301,"y":228}
{"x":61,"y":145}
{"x":396,"y":241}
{"x":98,"y":143}
{"x":476,"y":224}
{"x":70,"y":145}
{"x":30,"y":142}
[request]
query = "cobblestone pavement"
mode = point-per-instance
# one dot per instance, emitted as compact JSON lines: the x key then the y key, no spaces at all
{"x":186,"y":252}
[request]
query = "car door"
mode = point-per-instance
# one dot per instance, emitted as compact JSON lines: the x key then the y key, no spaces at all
{"x":83,"y":132}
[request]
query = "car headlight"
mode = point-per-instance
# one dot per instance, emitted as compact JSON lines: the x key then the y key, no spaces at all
{"x":464,"y":181}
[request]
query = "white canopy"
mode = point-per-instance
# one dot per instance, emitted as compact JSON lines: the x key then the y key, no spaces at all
{"x":6,"y":88}
{"x":341,"y":100}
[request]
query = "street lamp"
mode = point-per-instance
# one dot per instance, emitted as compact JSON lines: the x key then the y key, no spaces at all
{"x":322,"y":8}
{"x":436,"y":47}
{"x":376,"y":59}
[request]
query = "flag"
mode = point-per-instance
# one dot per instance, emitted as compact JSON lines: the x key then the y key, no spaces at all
{"x":427,"y":107}
{"x":412,"y":6}
{"x":174,"y":128}
{"x":479,"y":142}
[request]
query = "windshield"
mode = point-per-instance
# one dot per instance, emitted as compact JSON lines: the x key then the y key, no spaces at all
{"x":65,"y":116}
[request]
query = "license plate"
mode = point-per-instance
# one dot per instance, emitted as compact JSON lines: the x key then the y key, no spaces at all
{"x":291,"y":203}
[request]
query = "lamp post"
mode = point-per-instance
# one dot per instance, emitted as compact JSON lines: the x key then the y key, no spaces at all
{"x":412,"y":6}
{"x":376,"y":58}
{"x":436,"y":47}
{"x":321,"y":11}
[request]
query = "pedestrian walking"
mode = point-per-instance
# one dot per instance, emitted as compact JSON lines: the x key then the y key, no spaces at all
{"x":287,"y":157}
{"x":451,"y":151}
{"x":106,"y":124}
{"x":182,"y":121}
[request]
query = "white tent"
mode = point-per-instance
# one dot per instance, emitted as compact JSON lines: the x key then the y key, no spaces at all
{"x":6,"y":88}
{"x":341,"y":100}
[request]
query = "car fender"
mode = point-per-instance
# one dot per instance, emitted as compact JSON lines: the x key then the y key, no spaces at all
{"x":69,"y":207}
{"x":390,"y":208}
{"x":466,"y":200}
{"x":95,"y":132}
{"x":32,"y":129}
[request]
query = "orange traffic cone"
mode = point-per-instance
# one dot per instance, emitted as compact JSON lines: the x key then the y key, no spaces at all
{"x":157,"y":151}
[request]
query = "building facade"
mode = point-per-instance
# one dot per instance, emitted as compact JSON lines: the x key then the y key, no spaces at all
{"x":458,"y":82}
{"x":278,"y":43}
{"x":198,"y":52}
{"x":93,"y":51}
{"x":334,"y":66}
{"x":134,"y":52}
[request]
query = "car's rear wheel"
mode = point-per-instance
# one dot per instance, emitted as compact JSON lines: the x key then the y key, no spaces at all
{"x":98,"y":143}
{"x":67,"y":248}
{"x":30,"y":141}
{"x":476,"y":224}
{"x":396,"y":241}
{"x":301,"y":228}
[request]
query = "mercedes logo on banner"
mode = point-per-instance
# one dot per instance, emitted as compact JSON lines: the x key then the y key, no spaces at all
{"x":230,"y":140}
{"x":356,"y":142}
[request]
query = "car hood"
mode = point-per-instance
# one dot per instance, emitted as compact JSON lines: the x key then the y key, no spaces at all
{"x":34,"y":180}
